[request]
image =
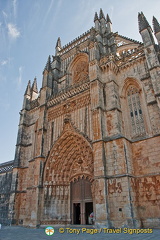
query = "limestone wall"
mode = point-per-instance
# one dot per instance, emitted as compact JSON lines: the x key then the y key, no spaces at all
{"x":5,"y":186}
{"x":146,"y":156}
{"x":147,"y":200}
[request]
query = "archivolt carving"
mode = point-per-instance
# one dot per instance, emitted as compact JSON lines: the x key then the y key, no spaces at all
{"x":128,"y":82}
{"x":71,"y":156}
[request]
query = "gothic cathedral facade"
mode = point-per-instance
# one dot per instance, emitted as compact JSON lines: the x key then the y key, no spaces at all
{"x":89,"y":140}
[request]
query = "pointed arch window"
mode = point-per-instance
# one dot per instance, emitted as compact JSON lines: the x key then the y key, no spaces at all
{"x":135,"y":112}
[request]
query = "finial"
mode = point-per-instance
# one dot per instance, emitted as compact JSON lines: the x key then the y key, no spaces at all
{"x":101,"y":14}
{"x":48,"y":64}
{"x":108,"y":19}
{"x":58,"y":43}
{"x":34,"y":85}
{"x":156,"y":25}
{"x":28,"y":89}
{"x":58,"y":46}
{"x":96,"y":17}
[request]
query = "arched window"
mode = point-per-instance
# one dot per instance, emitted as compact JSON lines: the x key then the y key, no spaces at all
{"x":135,"y":112}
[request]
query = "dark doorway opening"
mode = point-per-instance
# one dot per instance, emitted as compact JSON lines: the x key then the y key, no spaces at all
{"x":88,"y":210}
{"x":77,"y":213}
{"x":81,"y":201}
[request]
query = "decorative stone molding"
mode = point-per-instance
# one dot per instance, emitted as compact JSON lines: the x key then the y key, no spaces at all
{"x":70,"y":157}
{"x":83,"y":87}
{"x":69,"y":106}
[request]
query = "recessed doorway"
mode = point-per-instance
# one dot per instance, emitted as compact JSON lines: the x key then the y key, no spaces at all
{"x":81,"y":201}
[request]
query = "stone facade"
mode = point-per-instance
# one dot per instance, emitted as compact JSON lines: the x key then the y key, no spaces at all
{"x":5,"y":190}
{"x":89,"y":139}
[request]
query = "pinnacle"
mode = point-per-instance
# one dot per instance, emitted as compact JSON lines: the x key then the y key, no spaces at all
{"x":156,"y":25}
{"x":101,"y":14}
{"x":28,"y":89}
{"x":58,"y":42}
{"x":96,"y":17}
{"x":34,"y":85}
{"x":48,"y":64}
{"x":108,"y":19}
{"x":143,"y":23}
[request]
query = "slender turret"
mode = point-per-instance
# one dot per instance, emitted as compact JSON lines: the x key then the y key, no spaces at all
{"x":96,"y":21}
{"x":102,"y":21}
{"x":150,"y":52}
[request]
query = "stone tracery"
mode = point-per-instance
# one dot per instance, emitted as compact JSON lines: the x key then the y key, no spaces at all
{"x":136,"y":115}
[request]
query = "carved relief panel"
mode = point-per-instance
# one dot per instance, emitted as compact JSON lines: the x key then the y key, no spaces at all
{"x":80,"y":71}
{"x":79,"y":68}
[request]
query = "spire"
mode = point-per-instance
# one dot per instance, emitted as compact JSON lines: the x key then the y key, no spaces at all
{"x":34,"y":86}
{"x":108,"y":19}
{"x":48,"y":64}
{"x":58,"y":43}
{"x":34,"y":90}
{"x":143,"y":23}
{"x":47,"y":74}
{"x":27,"y":96}
{"x":109,"y":24}
{"x":96,"y":22}
{"x":58,"y":46}
{"x":96,"y":17}
{"x":28,"y":89}
{"x":156,"y":25}
{"x":101,"y":14}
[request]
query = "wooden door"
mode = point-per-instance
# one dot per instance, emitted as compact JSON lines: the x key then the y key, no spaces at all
{"x":81,"y":201}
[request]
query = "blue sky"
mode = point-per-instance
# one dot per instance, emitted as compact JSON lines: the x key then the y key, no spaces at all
{"x":28,"y":33}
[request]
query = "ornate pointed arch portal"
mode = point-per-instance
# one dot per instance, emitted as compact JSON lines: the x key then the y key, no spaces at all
{"x":68,"y":178}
